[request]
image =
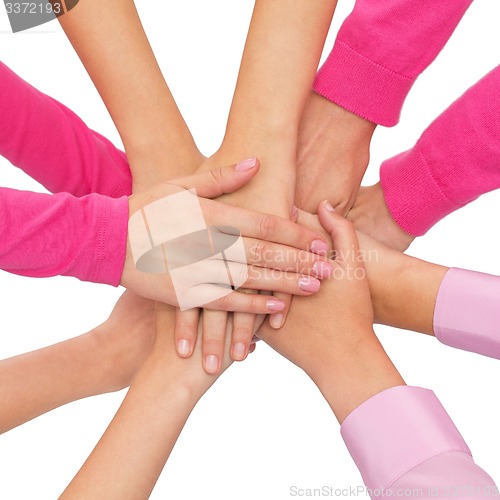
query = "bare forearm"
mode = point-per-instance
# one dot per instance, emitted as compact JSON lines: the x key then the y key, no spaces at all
{"x":110,"y":41}
{"x":130,"y":456}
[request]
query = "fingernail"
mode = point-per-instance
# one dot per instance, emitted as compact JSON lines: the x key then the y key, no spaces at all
{"x":277,"y":320}
{"x":275,"y":305}
{"x":183,"y":348}
{"x":319,"y":247}
{"x":309,"y":284}
{"x":245,"y":165}
{"x":239,"y":351}
{"x":211,"y":363}
{"x":328,"y":206}
{"x":323,"y":269}
{"x":295,"y":212}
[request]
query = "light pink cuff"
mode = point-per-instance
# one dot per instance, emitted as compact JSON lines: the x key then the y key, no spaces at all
{"x":412,"y":195}
{"x":467,"y":312}
{"x":362,"y":86}
{"x":395,"y":431}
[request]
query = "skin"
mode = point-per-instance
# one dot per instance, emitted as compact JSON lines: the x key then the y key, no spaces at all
{"x":264,"y":118}
{"x":343,"y":358}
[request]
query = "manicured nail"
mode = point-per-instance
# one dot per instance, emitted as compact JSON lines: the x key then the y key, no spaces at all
{"x":245,"y":165}
{"x":276,"y":321}
{"x":183,"y":347}
{"x":309,"y":284}
{"x":211,"y":363}
{"x":319,"y":247}
{"x":239,"y":351}
{"x":275,"y":305}
{"x":323,"y":269}
{"x":295,"y":212}
{"x":328,"y":206}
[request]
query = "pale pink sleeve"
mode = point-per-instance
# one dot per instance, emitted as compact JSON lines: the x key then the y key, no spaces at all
{"x":467,"y":312}
{"x":381,"y":49}
{"x":50,"y":235}
{"x":402,"y":438}
{"x":455,"y":160}
{"x":54,"y":146}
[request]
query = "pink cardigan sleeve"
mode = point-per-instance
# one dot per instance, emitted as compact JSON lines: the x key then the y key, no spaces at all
{"x":381,"y":49}
{"x":53,"y":145}
{"x":455,"y":160}
{"x":49,"y":235}
{"x":43,"y":235}
{"x":402,"y":439}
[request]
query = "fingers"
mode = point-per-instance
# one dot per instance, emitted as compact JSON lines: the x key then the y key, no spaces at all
{"x":243,"y":326}
{"x":222,"y":180}
{"x":277,"y":320}
{"x":264,"y":226}
{"x":213,"y":337}
{"x":249,"y":303}
{"x":186,"y":331}
{"x":275,"y":256}
{"x":344,"y":239}
{"x":261,"y":278}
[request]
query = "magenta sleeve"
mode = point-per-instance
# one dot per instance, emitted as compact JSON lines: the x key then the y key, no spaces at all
{"x":396,"y":434}
{"x":467,"y":312}
{"x":455,"y":160}
{"x":381,"y":49}
{"x":49,"y":235}
{"x":54,"y":146}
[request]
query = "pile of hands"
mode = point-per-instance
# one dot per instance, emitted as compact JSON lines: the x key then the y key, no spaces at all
{"x":299,"y":235}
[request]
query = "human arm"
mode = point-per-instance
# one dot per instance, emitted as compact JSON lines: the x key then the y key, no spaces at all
{"x":399,"y":436}
{"x":379,"y":52}
{"x":131,"y":454}
{"x":100,"y":361}
{"x":110,"y":40}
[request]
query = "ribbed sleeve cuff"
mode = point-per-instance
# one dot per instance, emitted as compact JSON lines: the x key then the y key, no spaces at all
{"x":467,"y":315}
{"x":362,"y":86}
{"x":395,"y":431}
{"x":412,"y":195}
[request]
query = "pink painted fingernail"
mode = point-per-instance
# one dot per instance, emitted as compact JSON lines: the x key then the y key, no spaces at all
{"x":275,"y":305}
{"x":245,"y":165}
{"x":328,"y":206}
{"x":239,"y":351}
{"x":276,"y":321}
{"x":309,"y":284}
{"x":319,"y":247}
{"x":295,"y":212}
{"x":211,"y":363}
{"x":323,"y":269}
{"x":183,"y":347}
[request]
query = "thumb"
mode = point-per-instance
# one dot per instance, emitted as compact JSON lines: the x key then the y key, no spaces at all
{"x":344,"y":239}
{"x":217,"y":181}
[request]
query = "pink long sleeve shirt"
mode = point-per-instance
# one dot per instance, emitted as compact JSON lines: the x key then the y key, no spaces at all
{"x":81,"y":230}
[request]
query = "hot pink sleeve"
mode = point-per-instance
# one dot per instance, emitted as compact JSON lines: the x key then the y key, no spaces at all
{"x":54,"y":146}
{"x":49,"y":235}
{"x":381,"y":49}
{"x":403,"y":439}
{"x":455,"y":160}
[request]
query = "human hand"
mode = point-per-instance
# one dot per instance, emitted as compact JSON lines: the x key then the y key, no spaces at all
{"x":333,"y":153}
{"x":371,"y":216}
{"x":346,"y":299}
{"x":254,"y":226}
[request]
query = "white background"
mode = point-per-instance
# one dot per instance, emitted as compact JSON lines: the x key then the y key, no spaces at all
{"x":263,"y":427}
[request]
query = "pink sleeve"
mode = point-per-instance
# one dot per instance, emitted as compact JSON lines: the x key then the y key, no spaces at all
{"x":49,"y":235}
{"x":455,"y":160}
{"x":381,"y":49}
{"x":467,"y":312}
{"x":51,"y":144}
{"x":402,"y":438}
